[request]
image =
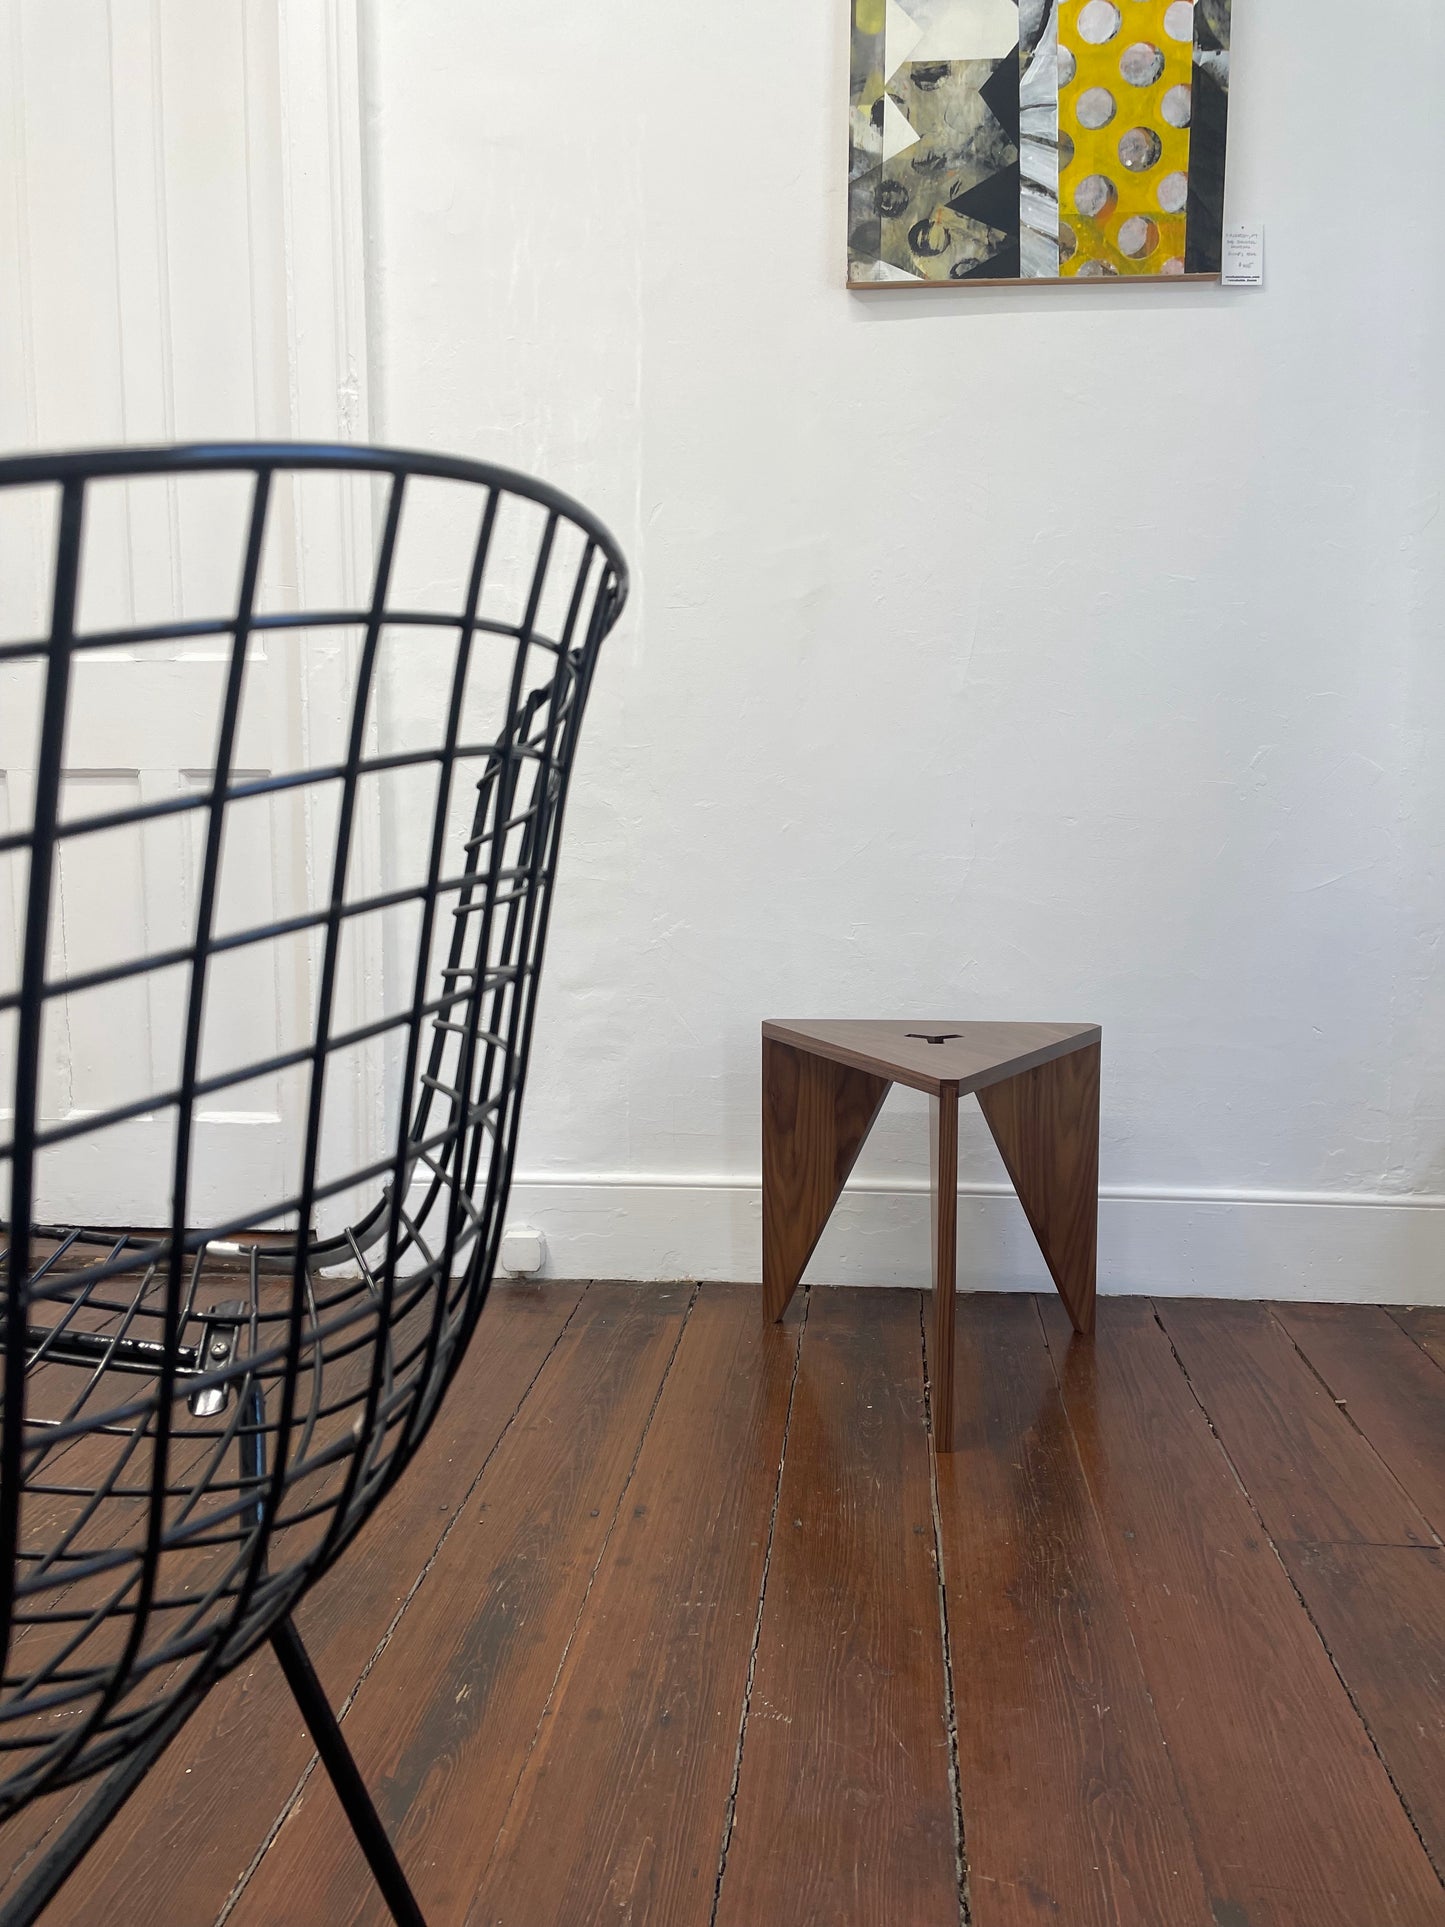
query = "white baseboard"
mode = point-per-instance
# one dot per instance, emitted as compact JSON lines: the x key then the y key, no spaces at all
{"x":1359,"y":1248}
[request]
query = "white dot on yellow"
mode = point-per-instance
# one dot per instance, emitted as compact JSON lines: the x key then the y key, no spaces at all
{"x":1099,"y":20}
{"x":1179,"y":20}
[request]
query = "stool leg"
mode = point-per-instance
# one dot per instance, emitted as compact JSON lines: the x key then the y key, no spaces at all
{"x":943,"y":1200}
{"x":1046,"y":1125}
{"x":816,"y":1115}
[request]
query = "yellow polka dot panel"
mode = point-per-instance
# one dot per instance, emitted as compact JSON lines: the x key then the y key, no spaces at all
{"x":1125,"y":90}
{"x":1018,"y":140}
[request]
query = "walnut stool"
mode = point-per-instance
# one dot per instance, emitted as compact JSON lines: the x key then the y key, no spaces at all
{"x":1038,"y":1087}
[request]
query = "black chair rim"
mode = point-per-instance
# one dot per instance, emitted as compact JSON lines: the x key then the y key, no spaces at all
{"x":125,"y":460}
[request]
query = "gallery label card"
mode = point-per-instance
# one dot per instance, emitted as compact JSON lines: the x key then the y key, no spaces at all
{"x":1243,"y":257}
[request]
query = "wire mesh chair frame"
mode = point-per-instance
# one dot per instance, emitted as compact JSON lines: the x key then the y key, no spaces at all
{"x":197,"y":1421}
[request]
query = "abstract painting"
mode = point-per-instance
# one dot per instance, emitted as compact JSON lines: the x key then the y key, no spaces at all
{"x":1036,"y":140}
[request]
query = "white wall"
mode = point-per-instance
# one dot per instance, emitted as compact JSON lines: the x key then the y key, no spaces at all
{"x":1069,"y":653}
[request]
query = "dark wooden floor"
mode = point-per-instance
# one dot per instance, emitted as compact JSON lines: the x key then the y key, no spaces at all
{"x":674,"y":1621}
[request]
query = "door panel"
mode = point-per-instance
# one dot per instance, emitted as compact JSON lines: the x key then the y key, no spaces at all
{"x":150,"y":225}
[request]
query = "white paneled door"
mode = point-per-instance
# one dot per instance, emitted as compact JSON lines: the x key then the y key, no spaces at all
{"x":178,"y":182}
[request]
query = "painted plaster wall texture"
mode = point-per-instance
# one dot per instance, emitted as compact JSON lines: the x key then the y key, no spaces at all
{"x":1067,"y":653}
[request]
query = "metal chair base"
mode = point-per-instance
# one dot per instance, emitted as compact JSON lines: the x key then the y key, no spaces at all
{"x":37,"y":1892}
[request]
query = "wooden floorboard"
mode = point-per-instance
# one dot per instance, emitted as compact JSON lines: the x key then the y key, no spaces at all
{"x":1380,"y":1611}
{"x":1313,"y":1476}
{"x":1386,"y":1385}
{"x":1425,"y":1324}
{"x":443,"y":1724}
{"x":190,"y":1832}
{"x":1295,"y":1821}
{"x":669,"y":1641}
{"x":1070,"y":1806}
{"x":620,"y":1811}
{"x":844,"y":1811}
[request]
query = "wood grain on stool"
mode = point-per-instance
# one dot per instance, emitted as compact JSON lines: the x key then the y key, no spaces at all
{"x":1045,"y":1123}
{"x":816,"y":1115}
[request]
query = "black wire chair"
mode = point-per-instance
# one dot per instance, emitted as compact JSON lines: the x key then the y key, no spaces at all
{"x":197,"y":1420}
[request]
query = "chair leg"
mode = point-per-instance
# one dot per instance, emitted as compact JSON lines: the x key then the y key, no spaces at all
{"x":943,"y":1200}
{"x":345,"y":1776}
